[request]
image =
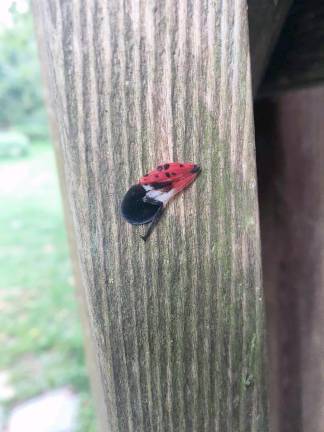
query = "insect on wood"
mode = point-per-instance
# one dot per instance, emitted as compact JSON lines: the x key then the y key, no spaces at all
{"x":145,"y":202}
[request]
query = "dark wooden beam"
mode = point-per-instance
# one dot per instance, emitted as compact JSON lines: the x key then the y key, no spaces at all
{"x":298,"y":59}
{"x":289,"y":137}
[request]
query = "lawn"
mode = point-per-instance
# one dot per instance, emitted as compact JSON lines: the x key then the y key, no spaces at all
{"x":40,"y":332}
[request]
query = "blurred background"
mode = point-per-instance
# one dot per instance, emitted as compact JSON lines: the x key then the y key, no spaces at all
{"x":43,"y":379}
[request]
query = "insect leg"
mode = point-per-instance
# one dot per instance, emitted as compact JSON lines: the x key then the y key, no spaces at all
{"x":154,"y":222}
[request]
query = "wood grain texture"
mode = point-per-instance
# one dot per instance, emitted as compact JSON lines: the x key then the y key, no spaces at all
{"x":178,"y":321}
{"x":298,"y":59}
{"x":266,"y":20}
{"x":290,"y":134}
{"x":93,"y":368}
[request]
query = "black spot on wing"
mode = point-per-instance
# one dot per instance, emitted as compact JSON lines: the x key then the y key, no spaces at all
{"x":161,"y":185}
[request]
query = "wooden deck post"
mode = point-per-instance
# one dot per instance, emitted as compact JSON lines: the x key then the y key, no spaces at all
{"x":177,"y":321}
{"x":290,"y":134}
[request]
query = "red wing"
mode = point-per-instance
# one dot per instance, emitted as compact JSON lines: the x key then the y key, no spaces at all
{"x":156,"y":189}
{"x":164,"y":194}
{"x":168,"y":172}
{"x":183,"y":183}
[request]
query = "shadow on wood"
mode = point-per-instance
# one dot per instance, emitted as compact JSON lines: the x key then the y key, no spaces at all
{"x":266,"y":19}
{"x":298,"y":60}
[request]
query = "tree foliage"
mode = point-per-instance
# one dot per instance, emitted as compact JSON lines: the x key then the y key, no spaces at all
{"x":21,"y":98}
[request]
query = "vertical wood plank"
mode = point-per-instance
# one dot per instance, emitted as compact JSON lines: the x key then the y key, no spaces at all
{"x":91,"y":358}
{"x":178,"y":321}
{"x":290,"y":134}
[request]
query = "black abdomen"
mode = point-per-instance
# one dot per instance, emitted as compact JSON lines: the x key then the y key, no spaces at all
{"x":135,"y":210}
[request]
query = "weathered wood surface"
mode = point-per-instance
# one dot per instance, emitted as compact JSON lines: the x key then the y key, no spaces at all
{"x":266,"y":19}
{"x":93,"y":368}
{"x":178,"y":321}
{"x":290,"y":135}
{"x":97,"y":390}
{"x":298,"y":60}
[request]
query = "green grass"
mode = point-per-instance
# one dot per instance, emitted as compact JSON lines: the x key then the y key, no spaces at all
{"x":40,"y":331}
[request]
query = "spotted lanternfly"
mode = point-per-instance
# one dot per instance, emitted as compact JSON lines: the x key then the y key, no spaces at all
{"x":145,"y":202}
